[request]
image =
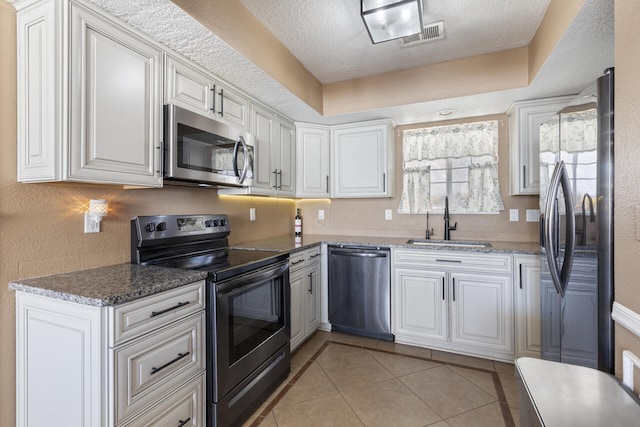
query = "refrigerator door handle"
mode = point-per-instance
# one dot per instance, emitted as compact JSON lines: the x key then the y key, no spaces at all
{"x":560,"y":277}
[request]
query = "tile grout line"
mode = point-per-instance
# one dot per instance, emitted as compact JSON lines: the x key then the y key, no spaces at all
{"x":502,"y":401}
{"x":287,"y":387}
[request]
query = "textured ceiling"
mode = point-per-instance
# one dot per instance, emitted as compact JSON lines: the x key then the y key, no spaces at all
{"x":330,"y":39}
{"x":580,"y":57}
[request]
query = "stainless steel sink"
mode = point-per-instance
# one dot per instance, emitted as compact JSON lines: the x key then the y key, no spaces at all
{"x":448,"y":243}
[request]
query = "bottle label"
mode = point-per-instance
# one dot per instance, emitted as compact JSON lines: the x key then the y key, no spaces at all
{"x":297,"y":226}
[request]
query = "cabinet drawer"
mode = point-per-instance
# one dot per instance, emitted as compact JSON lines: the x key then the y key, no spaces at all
{"x":313,"y":254}
{"x":297,"y":260}
{"x":133,"y":319}
{"x":146,"y":369}
{"x":185,"y":407}
{"x":442,"y":259}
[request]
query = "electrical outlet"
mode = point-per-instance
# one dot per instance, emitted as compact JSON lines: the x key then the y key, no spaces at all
{"x":513,"y":215}
{"x":252,"y":214}
{"x":533,"y":215}
{"x":320,"y":213}
{"x":388,"y":214}
{"x":90,"y":224}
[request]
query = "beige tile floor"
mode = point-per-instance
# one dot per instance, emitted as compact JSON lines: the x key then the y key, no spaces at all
{"x":345,"y":380}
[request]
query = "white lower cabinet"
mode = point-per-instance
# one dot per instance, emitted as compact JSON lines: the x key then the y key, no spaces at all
{"x":454,"y":302}
{"x":527,"y":290}
{"x":304,"y":279}
{"x":80,"y":365}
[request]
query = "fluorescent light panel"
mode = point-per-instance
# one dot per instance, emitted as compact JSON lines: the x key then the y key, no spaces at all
{"x":388,"y":19}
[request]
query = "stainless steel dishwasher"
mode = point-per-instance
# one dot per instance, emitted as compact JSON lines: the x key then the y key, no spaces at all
{"x":360,"y":290}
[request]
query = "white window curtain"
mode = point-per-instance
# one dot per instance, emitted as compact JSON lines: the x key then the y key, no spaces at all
{"x":477,"y":143}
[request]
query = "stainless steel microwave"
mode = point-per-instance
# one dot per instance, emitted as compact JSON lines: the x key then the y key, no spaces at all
{"x":203,"y":151}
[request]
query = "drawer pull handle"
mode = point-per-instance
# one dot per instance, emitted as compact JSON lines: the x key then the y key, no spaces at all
{"x":297,"y":262}
{"x":180,"y":356}
{"x":314,"y":256}
{"x":448,"y":260}
{"x":184,"y":422}
{"x":158,"y":313}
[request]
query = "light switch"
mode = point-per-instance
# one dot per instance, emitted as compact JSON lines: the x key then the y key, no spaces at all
{"x":513,"y":215}
{"x":252,"y":214}
{"x":320,"y":213}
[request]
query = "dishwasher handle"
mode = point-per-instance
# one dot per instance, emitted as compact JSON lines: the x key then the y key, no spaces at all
{"x":359,"y":252}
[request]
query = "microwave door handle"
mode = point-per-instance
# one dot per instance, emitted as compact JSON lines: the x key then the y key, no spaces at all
{"x":245,"y":168}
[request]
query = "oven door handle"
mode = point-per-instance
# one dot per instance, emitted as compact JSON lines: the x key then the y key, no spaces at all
{"x":255,"y":278}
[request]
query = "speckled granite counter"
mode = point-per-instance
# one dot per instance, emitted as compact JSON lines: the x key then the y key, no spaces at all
{"x":287,"y":244}
{"x":105,"y":286}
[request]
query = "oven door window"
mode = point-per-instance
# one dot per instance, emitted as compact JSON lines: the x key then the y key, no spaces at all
{"x":206,"y":152}
{"x":256,"y":312}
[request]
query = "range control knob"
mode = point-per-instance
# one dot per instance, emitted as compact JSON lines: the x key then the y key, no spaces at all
{"x":222,"y":223}
{"x":150,"y":228}
{"x":161,"y":226}
{"x":209,"y":223}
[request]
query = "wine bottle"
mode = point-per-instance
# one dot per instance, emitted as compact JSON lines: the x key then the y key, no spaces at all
{"x":297,"y":225}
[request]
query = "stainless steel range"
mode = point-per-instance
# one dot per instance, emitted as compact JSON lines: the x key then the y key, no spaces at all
{"x":247,"y":307}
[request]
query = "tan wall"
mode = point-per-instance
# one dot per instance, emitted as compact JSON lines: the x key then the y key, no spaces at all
{"x":557,"y":19}
{"x":627,"y":172}
{"x":351,"y":217}
{"x":41,"y":225}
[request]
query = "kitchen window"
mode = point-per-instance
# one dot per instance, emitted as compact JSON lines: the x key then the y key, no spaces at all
{"x":459,"y":161}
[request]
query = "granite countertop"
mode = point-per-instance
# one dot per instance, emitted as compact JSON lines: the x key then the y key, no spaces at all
{"x":106,"y":286}
{"x":287,"y":244}
{"x":117,"y":284}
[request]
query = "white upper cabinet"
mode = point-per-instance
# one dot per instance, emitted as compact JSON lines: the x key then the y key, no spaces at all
{"x":524,"y":141}
{"x":285,"y":157}
{"x":312,"y":160}
{"x":116,"y":114}
{"x":89,"y":97}
{"x":195,"y":89}
{"x":274,"y":158}
{"x":362,"y":159}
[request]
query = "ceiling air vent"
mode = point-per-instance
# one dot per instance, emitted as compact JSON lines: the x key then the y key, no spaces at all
{"x":430,"y":32}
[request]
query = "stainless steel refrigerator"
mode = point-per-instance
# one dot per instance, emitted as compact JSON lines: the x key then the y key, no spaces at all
{"x":576,"y":229}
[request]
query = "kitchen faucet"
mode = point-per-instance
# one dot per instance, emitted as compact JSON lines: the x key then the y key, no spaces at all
{"x":428,"y":233}
{"x":447,"y":228}
{"x":582,"y":228}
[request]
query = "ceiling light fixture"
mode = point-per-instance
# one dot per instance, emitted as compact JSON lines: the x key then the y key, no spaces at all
{"x":391,"y":19}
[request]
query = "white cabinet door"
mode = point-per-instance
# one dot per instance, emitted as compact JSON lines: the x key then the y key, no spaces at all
{"x":528,"y":320}
{"x":524,"y":141}
{"x":188,"y":87}
{"x":116,"y":104}
{"x":262,"y":127}
{"x":59,"y":363}
{"x":305,"y":283}
{"x":232,"y":107}
{"x":298,"y":300}
{"x":361,"y":163}
{"x":482,"y":311}
{"x":312,"y":161}
{"x":195,"y":89}
{"x":313,"y":297}
{"x":284,"y":152}
{"x":41,"y":116}
{"x":420,"y":309}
